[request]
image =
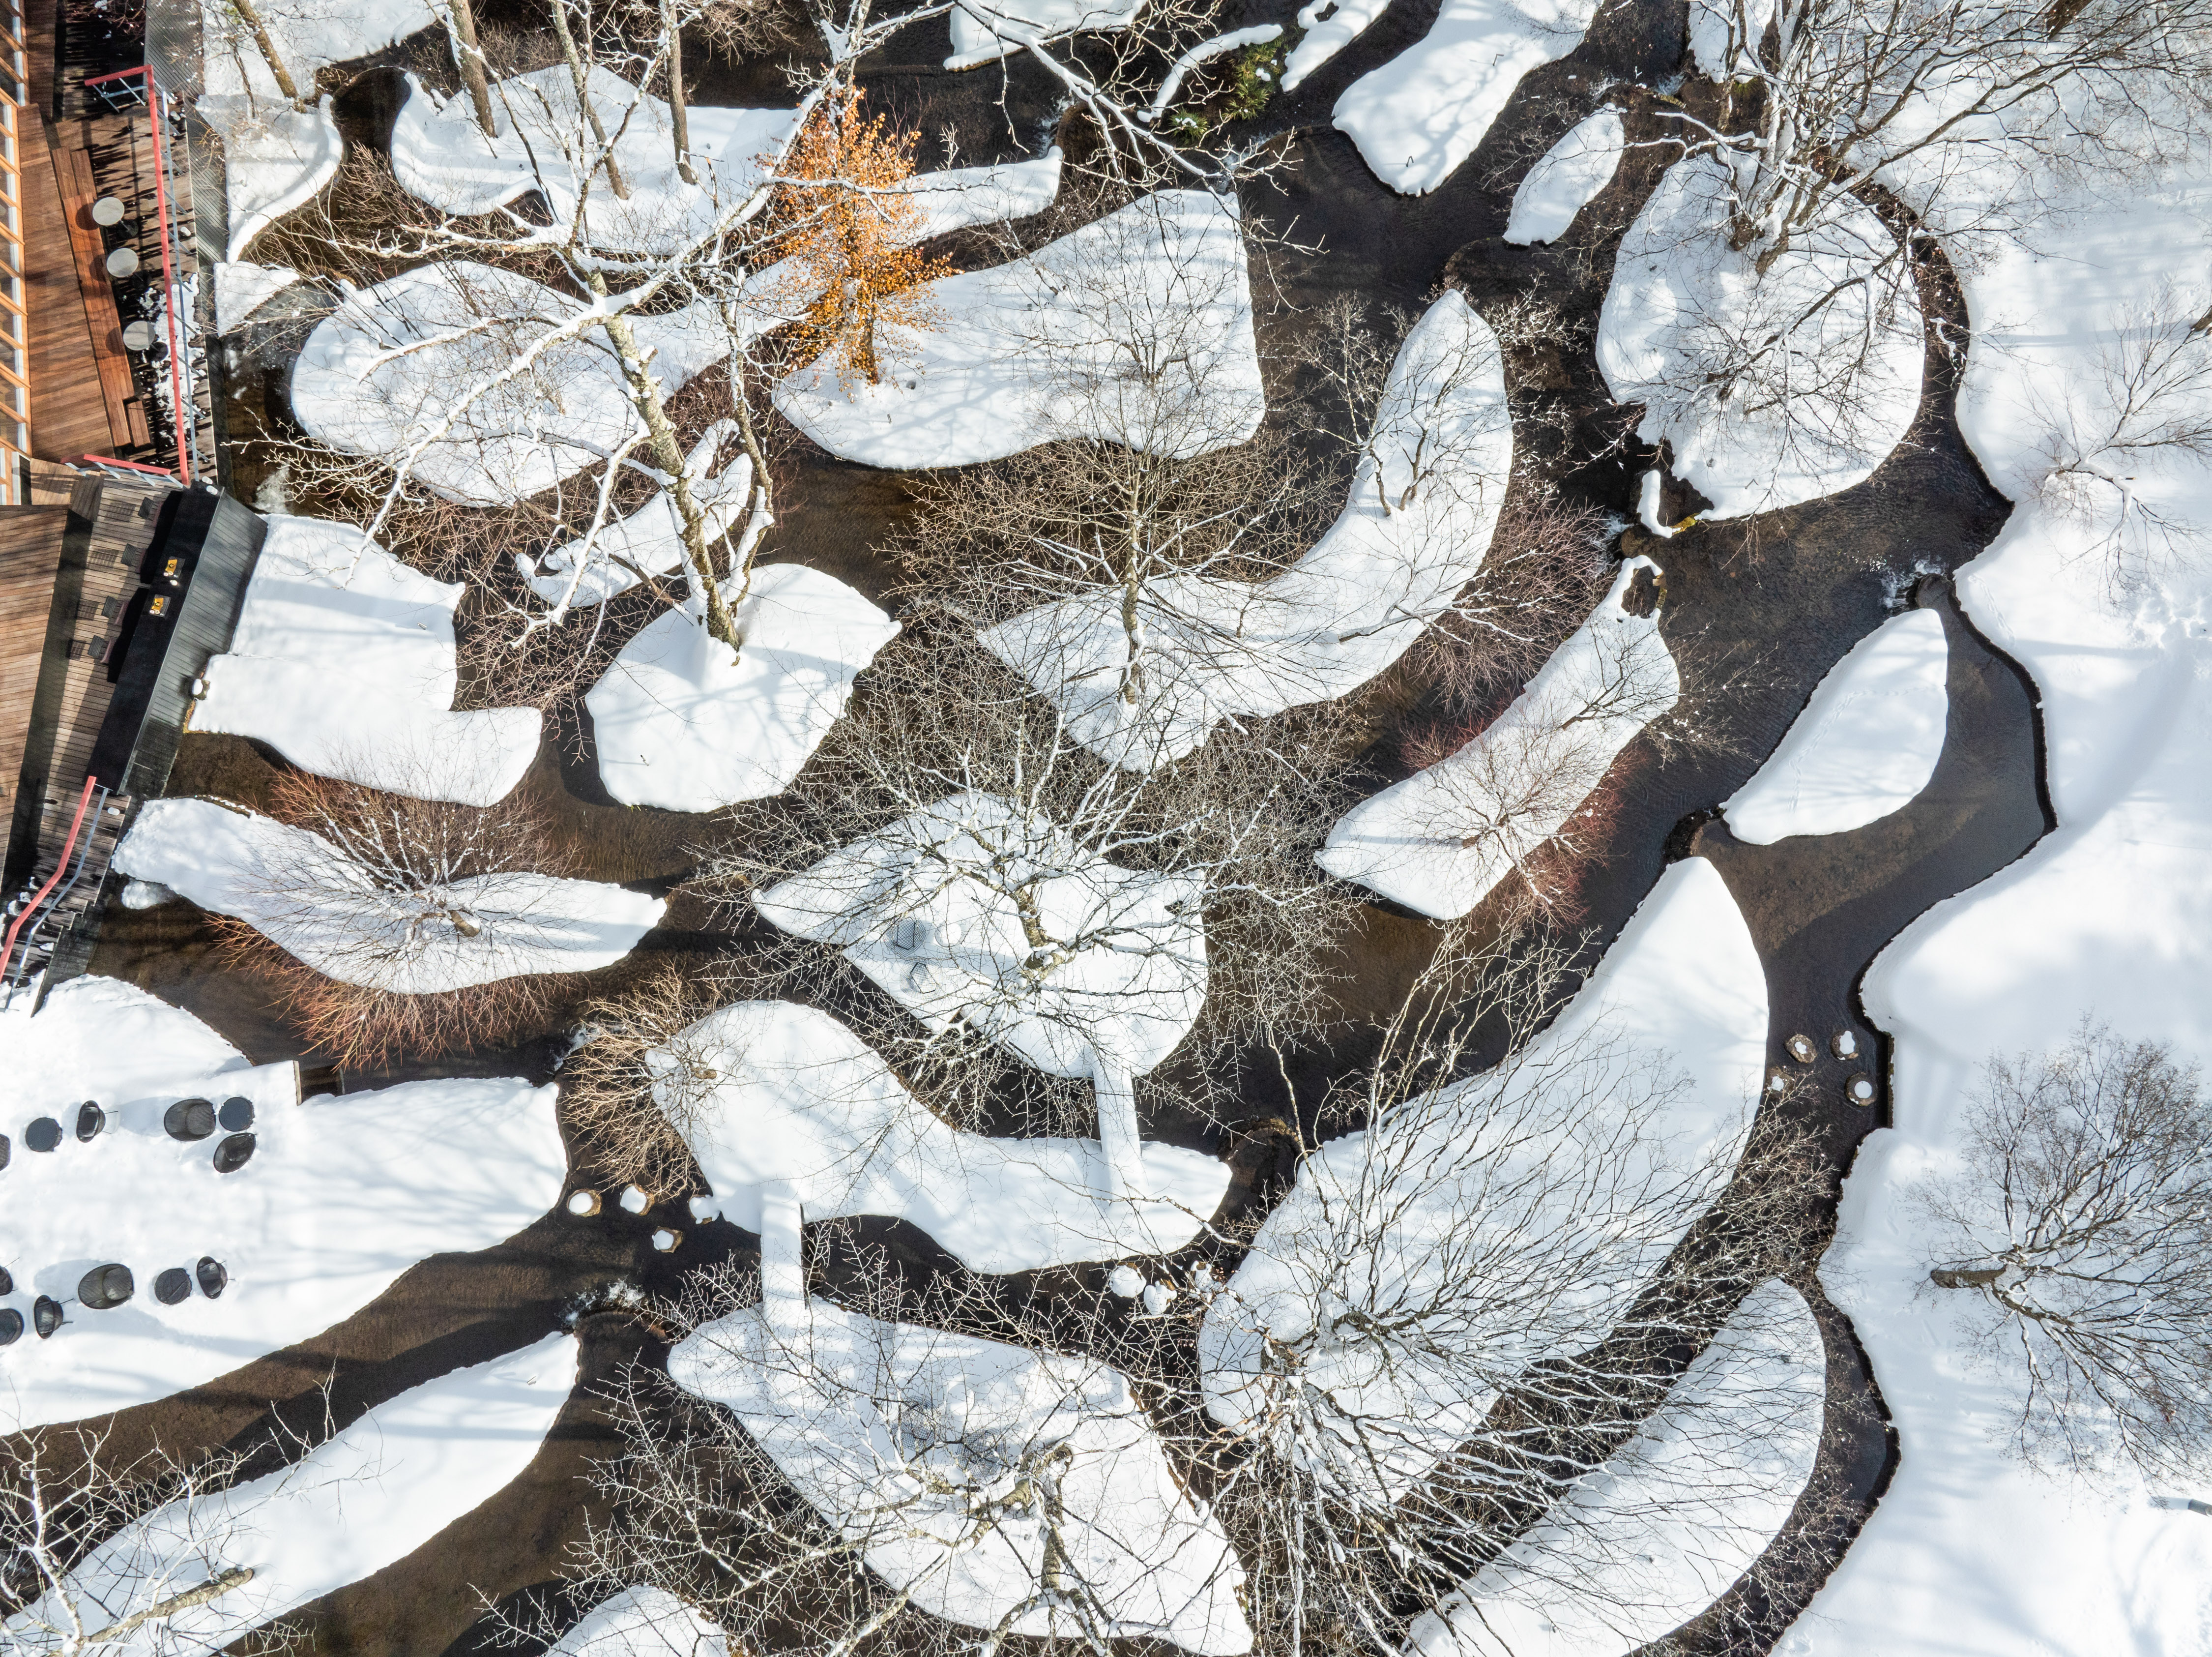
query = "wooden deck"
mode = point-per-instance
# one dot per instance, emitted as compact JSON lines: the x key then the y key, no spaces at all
{"x":82,"y":400}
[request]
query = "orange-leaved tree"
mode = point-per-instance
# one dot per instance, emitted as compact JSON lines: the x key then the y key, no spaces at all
{"x":851,"y":235}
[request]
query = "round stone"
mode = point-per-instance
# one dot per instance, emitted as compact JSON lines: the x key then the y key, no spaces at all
{"x":189,"y":1119}
{"x":44,"y":1134}
{"x":173,"y":1285}
{"x":237,"y":1113}
{"x":211,"y":1275}
{"x":233,"y":1152}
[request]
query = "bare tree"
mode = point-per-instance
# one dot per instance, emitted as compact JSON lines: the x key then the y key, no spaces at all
{"x":393,"y":890}
{"x":1467,"y":1307}
{"x":953,"y":841}
{"x":2078,"y":1227}
{"x":2118,"y":434}
{"x":66,"y":1492}
{"x":633,"y":1089}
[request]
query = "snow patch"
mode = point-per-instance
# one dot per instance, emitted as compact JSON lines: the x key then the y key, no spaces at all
{"x":241,"y":289}
{"x":1679,"y":298}
{"x":641,"y":1622}
{"x":1413,"y":532}
{"x":342,"y":661}
{"x":1421,"y":114}
{"x":1001,"y":370}
{"x":310,"y":900}
{"x":275,"y":158}
{"x":984,"y":30}
{"x":1866,"y":743}
{"x":797,"y":1098}
{"x":1441,"y":840}
{"x":1566,"y":178}
{"x":371,"y":1496}
{"x":679,"y":725}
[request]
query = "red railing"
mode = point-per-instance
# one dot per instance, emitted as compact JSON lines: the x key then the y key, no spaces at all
{"x":61,"y":867}
{"x":151,"y":91}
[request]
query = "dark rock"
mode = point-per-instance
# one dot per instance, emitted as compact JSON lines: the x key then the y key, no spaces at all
{"x":173,"y":1285}
{"x":233,"y":1152}
{"x":44,"y":1134}
{"x":189,"y":1119}
{"x":237,"y":1113}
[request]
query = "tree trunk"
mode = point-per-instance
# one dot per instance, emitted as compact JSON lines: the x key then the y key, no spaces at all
{"x":1965,"y":1277}
{"x":645,"y":393}
{"x":463,"y":20}
{"x":581,"y":77}
{"x":269,"y":52}
{"x":676,"y":91}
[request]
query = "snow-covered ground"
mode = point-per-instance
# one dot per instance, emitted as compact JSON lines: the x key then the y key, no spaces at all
{"x":911,"y":1439}
{"x":1439,"y":841}
{"x":373,"y":1494}
{"x":798,"y":1098}
{"x":1421,"y":114}
{"x":1617,"y":1125}
{"x":2109,"y":914}
{"x":929,"y":907}
{"x":1829,"y":399}
{"x":679,"y":725}
{"x":1565,"y":177}
{"x":241,"y":289}
{"x":1866,"y":743}
{"x":985,"y":30}
{"x":341,"y":1195}
{"x":307,"y":34}
{"x":641,"y":1622}
{"x":604,"y":561}
{"x":1678,"y":1514}
{"x":1027,"y":351}
{"x":1218,"y":649}
{"x":308,"y":897}
{"x":342,"y":661}
{"x":275,"y":158}
{"x":452,"y":371}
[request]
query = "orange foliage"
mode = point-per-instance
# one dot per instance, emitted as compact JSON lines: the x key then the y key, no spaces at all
{"x":851,"y":235}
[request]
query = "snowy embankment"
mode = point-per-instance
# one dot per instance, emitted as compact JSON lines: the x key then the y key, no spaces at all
{"x":1441,"y":840}
{"x":679,"y":724}
{"x":1421,"y":114}
{"x":380,"y":1489}
{"x":342,"y":661}
{"x":1615,"y":1127}
{"x":1866,"y":743}
{"x":1565,"y":178}
{"x":1674,"y":1516}
{"x":797,"y":1098}
{"x":1003,"y":368}
{"x":2109,"y":915}
{"x":309,"y":898}
{"x":419,"y":371}
{"x":275,"y":158}
{"x":340,"y":1196}
{"x":241,"y":289}
{"x":1412,"y":534}
{"x":834,"y":1397}
{"x":1772,"y":390}
{"x":542,"y":142}
{"x":641,"y":1622}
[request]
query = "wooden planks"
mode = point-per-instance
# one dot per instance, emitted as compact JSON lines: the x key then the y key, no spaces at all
{"x":30,"y":559}
{"x":126,"y":419}
{"x":69,"y":414}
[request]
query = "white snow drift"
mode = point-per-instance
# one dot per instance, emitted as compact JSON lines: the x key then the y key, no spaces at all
{"x":910,"y":1440}
{"x":453,"y":372}
{"x":1415,"y":529}
{"x":603,"y":561}
{"x":797,"y":1098}
{"x":1866,"y":743}
{"x":993,"y":376}
{"x":1669,"y":1036}
{"x":1421,"y":114}
{"x":1672,"y":1519}
{"x":275,"y":158}
{"x":342,"y":661}
{"x":373,"y":1494}
{"x":341,"y":1196}
{"x":1831,"y":394}
{"x":1565,"y":177}
{"x":680,"y":725}
{"x":985,"y":30}
{"x":641,"y":1622}
{"x":307,"y":896}
{"x":1441,"y":840}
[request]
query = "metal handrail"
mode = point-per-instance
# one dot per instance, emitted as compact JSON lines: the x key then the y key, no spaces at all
{"x":7,"y":949}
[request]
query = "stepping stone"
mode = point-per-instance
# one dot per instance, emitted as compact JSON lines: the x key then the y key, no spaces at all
{"x":211,"y":1275}
{"x":237,"y":1113}
{"x":105,"y":1288}
{"x":189,"y":1119}
{"x":173,"y":1285}
{"x":233,"y":1152}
